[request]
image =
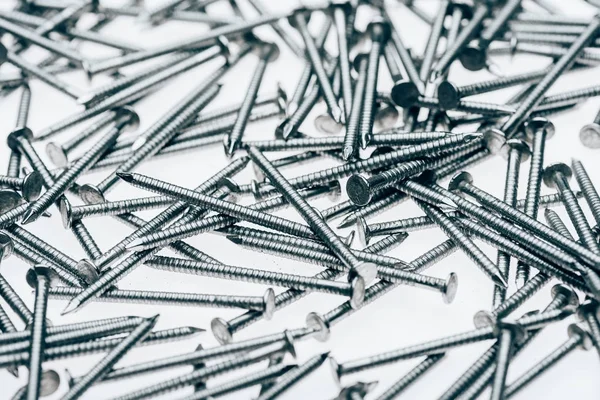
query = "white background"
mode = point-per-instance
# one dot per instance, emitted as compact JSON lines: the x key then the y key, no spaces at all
{"x":403,"y":317}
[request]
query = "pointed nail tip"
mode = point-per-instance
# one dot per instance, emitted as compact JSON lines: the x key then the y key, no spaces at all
{"x":230,"y":150}
{"x":234,"y":238}
{"x":28,"y":217}
{"x":346,"y":223}
{"x":499,"y":280}
{"x":195,"y":329}
{"x":70,"y":308}
{"x":135,"y":246}
{"x":347,"y":153}
{"x":287,"y":132}
{"x":126,"y":176}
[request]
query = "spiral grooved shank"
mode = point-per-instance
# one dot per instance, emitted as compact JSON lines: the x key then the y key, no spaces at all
{"x":35,"y":161}
{"x":166,"y":127}
{"x":412,"y":375}
{"x":539,"y":368}
{"x":470,"y":375}
{"x":517,"y":251}
{"x":37,"y":343}
{"x":235,"y":135}
{"x":576,"y":214}
{"x":110,"y":359}
{"x":426,"y":348}
{"x":33,"y":258}
{"x":170,"y":213}
{"x":345,"y":309}
{"x":368,"y":102}
{"x":80,"y":335}
{"x":6,"y":324}
{"x":258,"y":276}
{"x":501,"y":83}
{"x":507,"y":229}
{"x":432,"y":256}
{"x":587,"y":187}
{"x":199,"y":355}
{"x":578,"y":94}
{"x":135,"y":91}
{"x":117,"y":85}
{"x":85,"y":239}
{"x":97,"y":346}
{"x":471,"y":250}
{"x":293,"y":376}
{"x":375,"y":207}
{"x":24,"y":104}
{"x":181,"y":299}
{"x":519,"y":297}
{"x":14,"y":164}
{"x":593,"y":326}
{"x":527,"y":105}
{"x":203,"y":373}
{"x":291,"y":295}
{"x":232,"y":209}
{"x":477,"y":377}
{"x":46,"y":250}
{"x":14,"y":301}
{"x":431,"y":148}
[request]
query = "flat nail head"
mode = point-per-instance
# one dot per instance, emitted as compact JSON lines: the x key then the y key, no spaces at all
{"x":269,"y":300}
{"x":128,"y":114}
{"x":450,"y":288}
{"x":589,"y":135}
{"x":562,"y":290}
{"x":6,"y":245}
{"x":297,"y":12}
{"x":359,"y":190}
{"x":221,"y":330}
{"x":536,"y":124}
{"x":65,"y":209}
{"x":358,"y":292}
{"x":39,"y":270}
{"x":473,"y":58}
{"x":57,"y":154}
{"x":517,"y":330}
{"x":519,"y":145}
{"x":91,"y":194}
{"x":458,"y":180}
{"x":49,"y":383}
{"x":32,"y":186}
{"x":575,"y":331}
{"x":366,"y":270}
{"x":557,"y":168}
{"x":494,"y":139}
{"x":88,"y":270}
{"x":13,"y":138}
{"x":587,"y":307}
{"x":405,"y":94}
{"x":379,"y":29}
{"x":315,"y":322}
{"x":448,"y":95}
{"x":483,"y":319}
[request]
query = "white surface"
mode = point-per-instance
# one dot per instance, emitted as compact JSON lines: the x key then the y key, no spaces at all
{"x":405,"y":316}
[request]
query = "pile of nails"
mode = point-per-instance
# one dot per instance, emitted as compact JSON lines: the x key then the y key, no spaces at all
{"x":381,"y":160}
